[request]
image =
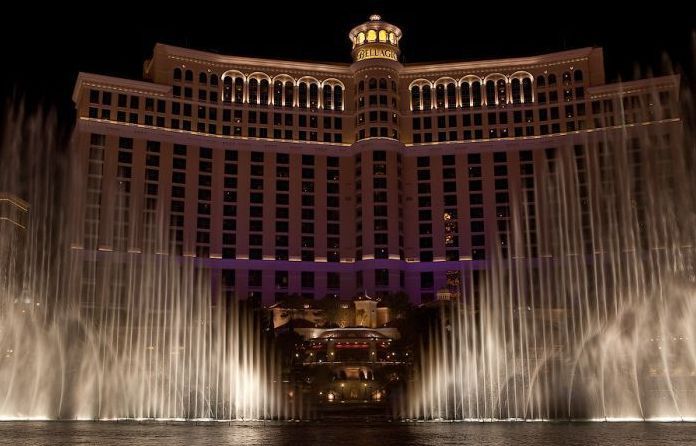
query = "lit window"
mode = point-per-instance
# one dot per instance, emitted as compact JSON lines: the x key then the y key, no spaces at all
{"x":253,"y":91}
{"x":516,"y":93}
{"x":371,"y":35}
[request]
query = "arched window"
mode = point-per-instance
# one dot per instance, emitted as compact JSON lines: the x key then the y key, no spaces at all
{"x":382,"y":35}
{"x":516,"y":91}
{"x":177,"y":74}
{"x":302,"y":95}
{"x":392,"y":38}
{"x":263,"y":96}
{"x":188,"y":75}
{"x":313,"y":95}
{"x":490,"y":93}
{"x":427,"y":98}
{"x":552,"y":79}
{"x":451,"y":96}
{"x":502,"y":91}
{"x":361,"y":38}
{"x":338,"y":97}
{"x":253,"y":91}
{"x":372,"y":83}
{"x":327,"y":97}
{"x":440,"y":96}
{"x":227,"y":90}
{"x":289,"y":89}
{"x":578,"y":75}
{"x":361,"y":86}
{"x":371,"y":35}
{"x":277,"y":93}
{"x":527,"y":90}
{"x":465,"y":93}
{"x":476,"y":94}
{"x":202,"y":78}
{"x":566,"y":78}
{"x":239,"y":90}
{"x":415,"y":97}
{"x":541,"y":81}
{"x":382,"y":84}
{"x":213,"y":79}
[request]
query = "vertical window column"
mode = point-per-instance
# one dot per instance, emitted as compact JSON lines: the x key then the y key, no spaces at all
{"x":229,"y":209}
{"x":450,"y":216}
{"x":152,"y":177}
{"x":476,"y":221}
{"x":124,"y":174}
{"x":205,"y":169}
{"x":256,"y":187}
{"x":177,"y":204}
{"x":425,"y":215}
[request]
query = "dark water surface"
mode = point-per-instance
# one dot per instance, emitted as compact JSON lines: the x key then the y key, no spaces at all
{"x":345,"y":433}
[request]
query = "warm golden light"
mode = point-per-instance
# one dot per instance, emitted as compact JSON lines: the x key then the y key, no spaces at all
{"x":375,"y":52}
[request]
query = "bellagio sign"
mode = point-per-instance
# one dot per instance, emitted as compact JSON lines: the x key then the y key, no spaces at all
{"x":375,"y":52}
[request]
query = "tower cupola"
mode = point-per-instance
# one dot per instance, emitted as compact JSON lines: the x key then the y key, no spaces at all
{"x":375,"y":39}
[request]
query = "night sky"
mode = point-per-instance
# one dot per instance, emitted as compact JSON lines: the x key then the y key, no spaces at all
{"x":41,"y":61}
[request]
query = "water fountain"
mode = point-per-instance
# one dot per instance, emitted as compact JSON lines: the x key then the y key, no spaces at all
{"x":600,"y":325}
{"x":142,"y":336}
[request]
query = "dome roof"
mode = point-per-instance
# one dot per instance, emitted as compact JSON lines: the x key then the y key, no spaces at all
{"x":375,"y":31}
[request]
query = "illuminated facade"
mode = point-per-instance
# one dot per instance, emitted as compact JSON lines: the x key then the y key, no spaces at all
{"x":318,"y":178}
{"x":355,"y":365}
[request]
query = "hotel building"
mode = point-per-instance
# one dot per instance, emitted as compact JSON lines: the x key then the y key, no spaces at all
{"x":372,"y":176}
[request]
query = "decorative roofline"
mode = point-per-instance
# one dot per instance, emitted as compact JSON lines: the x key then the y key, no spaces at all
{"x":118,"y":84}
{"x":222,"y":61}
{"x":516,"y":63}
{"x":631,"y":87}
{"x":185,"y":55}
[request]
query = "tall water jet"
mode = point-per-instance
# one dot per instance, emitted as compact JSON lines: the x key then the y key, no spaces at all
{"x":598,"y":323}
{"x":102,"y":334}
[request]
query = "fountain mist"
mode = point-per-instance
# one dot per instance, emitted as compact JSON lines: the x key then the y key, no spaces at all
{"x":135,"y":335}
{"x":599,"y":324}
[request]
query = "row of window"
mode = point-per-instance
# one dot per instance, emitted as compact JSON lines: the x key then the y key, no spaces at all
{"x":372,"y":35}
{"x":258,"y":88}
{"x":499,"y":118}
{"x":495,"y":90}
{"x":308,"y":279}
{"x":377,"y":84}
{"x":518,"y":132}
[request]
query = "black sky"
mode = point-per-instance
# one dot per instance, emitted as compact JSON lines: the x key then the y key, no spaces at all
{"x":44,"y":49}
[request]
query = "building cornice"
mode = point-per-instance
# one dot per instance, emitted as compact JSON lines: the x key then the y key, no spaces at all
{"x":235,"y":62}
{"x":224,"y":62}
{"x":636,"y":86}
{"x":518,"y":63}
{"x":337,"y":149}
{"x":117,"y":84}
